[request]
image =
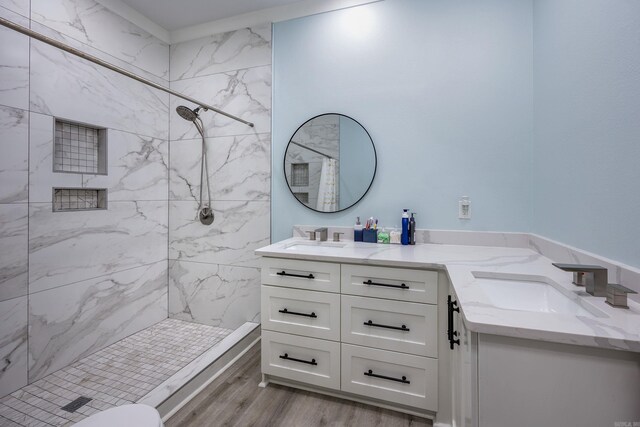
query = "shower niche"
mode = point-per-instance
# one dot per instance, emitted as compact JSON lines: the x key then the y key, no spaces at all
{"x":79,"y":148}
{"x":79,"y":199}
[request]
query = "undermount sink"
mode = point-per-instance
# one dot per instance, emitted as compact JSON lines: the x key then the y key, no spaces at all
{"x":533,"y":294}
{"x":316,"y":246}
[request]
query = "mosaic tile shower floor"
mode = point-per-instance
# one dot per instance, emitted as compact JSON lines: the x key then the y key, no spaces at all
{"x":121,"y":373}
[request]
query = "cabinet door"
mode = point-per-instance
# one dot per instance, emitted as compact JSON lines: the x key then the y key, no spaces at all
{"x":464,"y":386}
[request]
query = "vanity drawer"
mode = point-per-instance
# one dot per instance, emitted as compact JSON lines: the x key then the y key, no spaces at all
{"x":308,"y":313}
{"x":405,"y":327}
{"x":292,"y":273}
{"x":379,"y":374}
{"x":392,"y":283}
{"x":303,"y":359}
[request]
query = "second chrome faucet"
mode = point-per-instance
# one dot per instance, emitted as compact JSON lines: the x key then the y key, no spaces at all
{"x":593,"y":277}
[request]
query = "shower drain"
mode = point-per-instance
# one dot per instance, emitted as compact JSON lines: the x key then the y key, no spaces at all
{"x":76,"y":404}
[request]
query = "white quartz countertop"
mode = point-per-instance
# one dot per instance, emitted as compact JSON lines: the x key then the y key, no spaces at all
{"x":614,"y":328}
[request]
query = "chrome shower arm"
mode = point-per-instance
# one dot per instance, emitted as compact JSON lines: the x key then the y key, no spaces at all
{"x":33,"y":34}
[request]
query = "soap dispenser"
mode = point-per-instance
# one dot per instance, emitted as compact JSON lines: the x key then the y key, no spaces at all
{"x":357,"y":231}
{"x":412,"y":229}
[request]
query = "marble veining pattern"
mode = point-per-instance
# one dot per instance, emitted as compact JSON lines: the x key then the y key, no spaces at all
{"x":213,"y":272}
{"x":13,"y":345}
{"x":14,"y":250}
{"x":14,"y":146}
{"x":93,"y":24}
{"x":14,"y":65}
{"x":238,"y":229}
{"x":129,"y":66}
{"x":41,"y":176}
{"x":233,"y":50}
{"x":75,"y":320}
{"x":244,"y":93}
{"x":65,"y":86}
{"x":216,"y":295}
{"x":66,"y":247}
{"x":618,"y":273}
{"x":121,"y":373}
{"x":619,"y":329}
{"x":17,"y":6}
{"x":239,"y":168}
{"x":137,"y":168}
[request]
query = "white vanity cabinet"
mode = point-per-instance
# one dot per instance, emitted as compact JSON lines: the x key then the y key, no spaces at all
{"x":500,"y":381}
{"x":368,"y":333}
{"x":463,"y":347}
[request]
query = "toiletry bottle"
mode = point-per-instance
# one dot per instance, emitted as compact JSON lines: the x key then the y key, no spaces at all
{"x":404,"y":239}
{"x":412,"y":229}
{"x":357,"y":231}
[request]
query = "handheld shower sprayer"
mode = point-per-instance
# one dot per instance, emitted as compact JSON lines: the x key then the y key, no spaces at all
{"x":205,"y":213}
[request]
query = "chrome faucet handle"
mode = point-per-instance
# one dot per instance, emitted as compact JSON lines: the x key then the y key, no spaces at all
{"x":617,"y":295}
{"x":323,"y":233}
{"x":336,"y":236}
{"x":312,"y":235}
{"x":593,"y":277}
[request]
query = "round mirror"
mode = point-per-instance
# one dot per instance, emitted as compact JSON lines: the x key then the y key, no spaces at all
{"x":330,"y":163}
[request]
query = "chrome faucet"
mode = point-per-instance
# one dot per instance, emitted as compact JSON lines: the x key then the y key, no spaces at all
{"x":593,"y":277}
{"x":323,"y":233}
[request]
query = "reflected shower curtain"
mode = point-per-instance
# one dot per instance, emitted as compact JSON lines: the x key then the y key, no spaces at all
{"x":328,"y":190}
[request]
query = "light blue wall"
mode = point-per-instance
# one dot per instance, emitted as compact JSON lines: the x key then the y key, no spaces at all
{"x":443,"y":87}
{"x":587,"y":125}
{"x":356,"y":156}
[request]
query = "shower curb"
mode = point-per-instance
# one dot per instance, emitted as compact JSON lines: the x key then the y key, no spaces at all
{"x":171,"y":394}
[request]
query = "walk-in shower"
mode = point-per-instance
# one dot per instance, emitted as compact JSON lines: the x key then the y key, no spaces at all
{"x":205,"y":212}
{"x":133,"y":301}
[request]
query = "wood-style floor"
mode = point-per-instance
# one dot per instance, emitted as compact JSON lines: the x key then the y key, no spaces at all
{"x":234,"y":399}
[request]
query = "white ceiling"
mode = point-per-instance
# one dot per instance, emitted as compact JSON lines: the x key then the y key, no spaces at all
{"x":177,"y":14}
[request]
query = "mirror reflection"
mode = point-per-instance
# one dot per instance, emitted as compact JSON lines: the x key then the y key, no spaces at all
{"x":330,"y":163}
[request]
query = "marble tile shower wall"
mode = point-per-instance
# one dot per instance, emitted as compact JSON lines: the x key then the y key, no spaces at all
{"x":213,"y":273}
{"x":74,"y":282}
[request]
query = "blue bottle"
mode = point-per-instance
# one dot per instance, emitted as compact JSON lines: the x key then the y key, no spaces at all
{"x":404,"y":237}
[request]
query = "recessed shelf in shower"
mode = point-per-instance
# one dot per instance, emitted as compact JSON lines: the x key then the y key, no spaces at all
{"x":79,"y":199}
{"x":79,"y":148}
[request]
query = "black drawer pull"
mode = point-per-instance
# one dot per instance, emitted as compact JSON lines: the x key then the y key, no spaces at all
{"x":286,"y":356}
{"x":369,"y":282}
{"x":398,"y":328}
{"x":403,"y":380}
{"x":284,"y":273}
{"x":285,"y":311}
{"x":452,"y":306}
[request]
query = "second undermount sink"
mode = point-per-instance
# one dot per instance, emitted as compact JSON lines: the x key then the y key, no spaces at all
{"x":315,"y":246}
{"x":533,"y":294}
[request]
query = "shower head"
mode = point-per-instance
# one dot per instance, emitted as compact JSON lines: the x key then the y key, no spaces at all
{"x":187,"y":113}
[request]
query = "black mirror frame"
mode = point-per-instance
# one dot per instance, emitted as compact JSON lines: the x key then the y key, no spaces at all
{"x":375,"y":166}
